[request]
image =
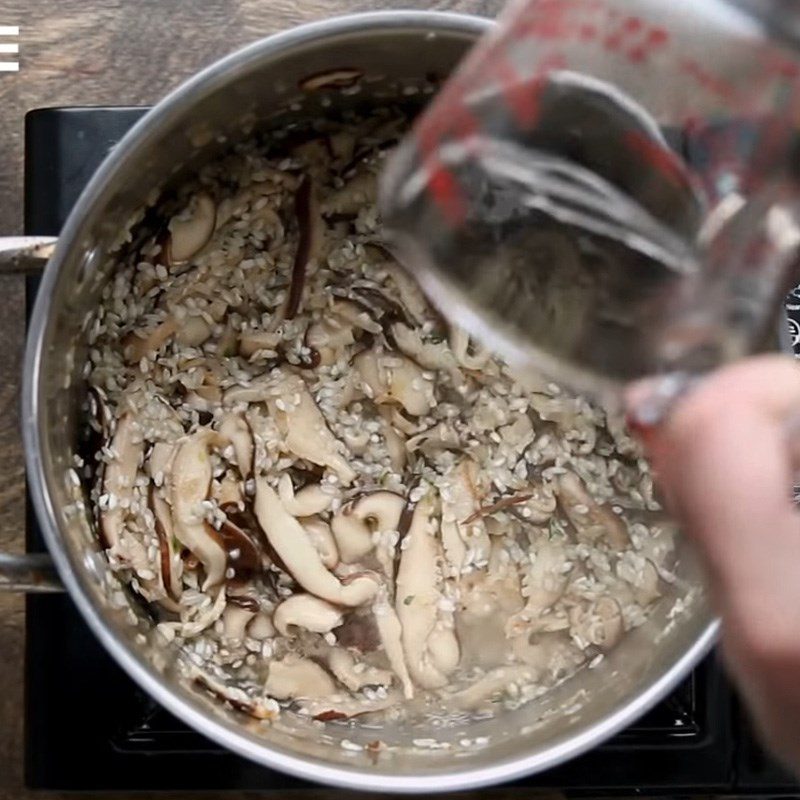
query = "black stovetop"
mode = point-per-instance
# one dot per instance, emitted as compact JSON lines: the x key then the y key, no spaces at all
{"x":89,"y":727}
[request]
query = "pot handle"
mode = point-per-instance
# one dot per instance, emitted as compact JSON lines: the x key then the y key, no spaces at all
{"x":34,"y":572}
{"x":25,"y":254}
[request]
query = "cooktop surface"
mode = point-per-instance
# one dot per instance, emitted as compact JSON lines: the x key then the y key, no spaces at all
{"x":696,"y":741}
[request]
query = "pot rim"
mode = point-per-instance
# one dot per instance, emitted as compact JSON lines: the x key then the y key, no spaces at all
{"x":160,"y":688}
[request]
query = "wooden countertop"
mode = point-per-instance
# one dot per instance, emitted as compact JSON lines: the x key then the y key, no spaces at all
{"x":103,"y":52}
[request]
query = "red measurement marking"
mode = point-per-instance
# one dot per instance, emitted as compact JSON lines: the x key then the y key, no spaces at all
{"x":558,"y":20}
{"x":788,"y":70}
{"x":655,"y":155}
{"x":542,"y":27}
{"x":637,"y":55}
{"x":546,"y":19}
{"x":521,"y":95}
{"x":657,"y":37}
{"x":553,"y":8}
{"x":446,"y":194}
{"x":633,"y":24}
{"x":451,"y":120}
{"x":448,"y":119}
{"x":447,"y":116}
{"x":708,"y":81}
{"x":775,"y":64}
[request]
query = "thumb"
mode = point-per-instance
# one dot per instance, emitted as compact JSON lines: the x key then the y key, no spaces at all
{"x":725,"y":459}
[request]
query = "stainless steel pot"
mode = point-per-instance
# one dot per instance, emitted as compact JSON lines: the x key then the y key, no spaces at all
{"x":258,"y":87}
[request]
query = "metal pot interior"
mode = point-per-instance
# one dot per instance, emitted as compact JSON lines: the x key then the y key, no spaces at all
{"x":257,"y":90}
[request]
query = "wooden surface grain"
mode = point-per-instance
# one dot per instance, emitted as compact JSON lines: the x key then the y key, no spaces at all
{"x":98,"y":52}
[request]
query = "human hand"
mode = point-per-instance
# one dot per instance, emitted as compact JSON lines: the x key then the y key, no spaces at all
{"x":726,"y":458}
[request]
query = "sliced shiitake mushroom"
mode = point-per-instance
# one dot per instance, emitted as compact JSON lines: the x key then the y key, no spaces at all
{"x":234,"y":428}
{"x":355,"y":675}
{"x":139,"y":344}
{"x":339,"y":78}
{"x":311,"y":232}
{"x":257,"y":708}
{"x":254,"y":341}
{"x":543,"y":583}
{"x":245,"y":601}
{"x":358,"y":192}
{"x":552,"y":655}
{"x":392,"y":377}
{"x":307,"y":502}
{"x":429,"y":659}
{"x":429,"y":355}
{"x":498,"y":505}
{"x":492,"y":685}
{"x":413,"y":300}
{"x":294,"y":677}
{"x":190,"y":230}
{"x":235,"y":619}
{"x":228,"y":491}
{"x":301,"y":558}
{"x":243,"y":560}
{"x":463,"y":528}
{"x":374,"y":300}
{"x":356,"y":522}
{"x":306,"y":433}
{"x":319,"y":533}
{"x":592,"y":521}
{"x":390,"y":632}
{"x":120,"y":477}
{"x":261,"y":627}
{"x":461,"y":347}
{"x":338,"y":329}
{"x":341,"y":707}
{"x":435,"y":439}
{"x":328,"y":337}
{"x":308,"y":612}
{"x":169,"y":563}
{"x":599,"y":623}
{"x":395,"y":446}
{"x":227,"y":343}
{"x":517,"y":435}
{"x":189,"y":483}
{"x":643,"y":578}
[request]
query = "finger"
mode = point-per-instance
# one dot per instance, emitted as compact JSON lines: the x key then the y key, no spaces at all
{"x":725,"y":458}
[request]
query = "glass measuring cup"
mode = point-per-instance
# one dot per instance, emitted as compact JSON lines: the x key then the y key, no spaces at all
{"x":608,"y":189}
